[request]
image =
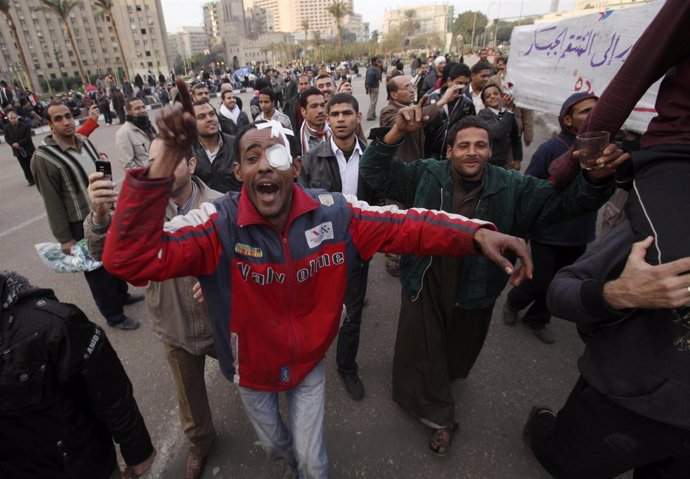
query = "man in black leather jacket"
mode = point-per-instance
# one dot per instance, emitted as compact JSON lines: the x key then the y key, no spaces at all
{"x":321,"y":168}
{"x":64,"y":396}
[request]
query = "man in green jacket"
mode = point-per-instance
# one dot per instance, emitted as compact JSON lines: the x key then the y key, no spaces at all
{"x":446,"y":302}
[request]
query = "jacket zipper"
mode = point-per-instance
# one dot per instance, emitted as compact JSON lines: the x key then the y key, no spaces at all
{"x":431,"y":258}
{"x":286,"y":249}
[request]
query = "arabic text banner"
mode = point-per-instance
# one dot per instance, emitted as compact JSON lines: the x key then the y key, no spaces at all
{"x":551,"y":61}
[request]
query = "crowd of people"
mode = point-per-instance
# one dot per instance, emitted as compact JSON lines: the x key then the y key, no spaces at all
{"x":252,"y":228}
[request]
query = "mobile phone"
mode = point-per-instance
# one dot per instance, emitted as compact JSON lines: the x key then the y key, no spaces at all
{"x":103,"y":166}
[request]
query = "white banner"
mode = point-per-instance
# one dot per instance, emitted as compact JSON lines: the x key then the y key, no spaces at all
{"x":551,"y":61}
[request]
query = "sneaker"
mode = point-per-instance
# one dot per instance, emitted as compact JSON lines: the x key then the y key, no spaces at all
{"x":354,"y":386}
{"x":127,"y":324}
{"x":132,"y":299}
{"x":510,"y":316}
{"x":545,"y":335}
{"x":533,"y":414}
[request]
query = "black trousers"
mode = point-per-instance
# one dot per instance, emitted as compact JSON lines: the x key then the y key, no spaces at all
{"x":25,"y":163}
{"x":593,"y":437}
{"x":548,"y":260}
{"x":348,"y":337}
{"x":108,"y":292}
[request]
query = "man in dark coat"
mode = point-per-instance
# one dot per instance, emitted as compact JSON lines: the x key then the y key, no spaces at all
{"x":18,"y":136}
{"x":64,"y":395}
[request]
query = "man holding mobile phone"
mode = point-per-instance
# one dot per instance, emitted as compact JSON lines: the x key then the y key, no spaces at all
{"x":61,"y":166}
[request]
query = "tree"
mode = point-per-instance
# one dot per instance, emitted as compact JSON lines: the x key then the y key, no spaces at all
{"x":411,"y":23}
{"x":305,"y":27}
{"x":316,"y":40}
{"x":338,"y":10}
{"x":5,"y":10}
{"x":470,"y":25}
{"x":62,"y":8}
{"x":105,"y":8}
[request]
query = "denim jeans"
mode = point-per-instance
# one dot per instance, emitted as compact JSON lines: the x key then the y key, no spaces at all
{"x":302,"y":447}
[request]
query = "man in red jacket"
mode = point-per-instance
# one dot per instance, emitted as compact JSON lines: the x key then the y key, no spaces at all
{"x":273,"y":263}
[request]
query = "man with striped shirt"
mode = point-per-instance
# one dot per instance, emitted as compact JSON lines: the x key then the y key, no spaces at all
{"x":61,"y":167}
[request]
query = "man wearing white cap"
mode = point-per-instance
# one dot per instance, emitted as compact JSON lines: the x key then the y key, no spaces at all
{"x":435,"y":73}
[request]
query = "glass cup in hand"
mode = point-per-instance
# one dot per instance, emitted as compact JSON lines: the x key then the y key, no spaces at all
{"x":591,"y":146}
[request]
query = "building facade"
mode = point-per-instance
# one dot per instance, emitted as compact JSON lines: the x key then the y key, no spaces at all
{"x":212,"y":22}
{"x":47,"y":50}
{"x":289,"y":15}
{"x":431,"y":18}
{"x":188,"y":41}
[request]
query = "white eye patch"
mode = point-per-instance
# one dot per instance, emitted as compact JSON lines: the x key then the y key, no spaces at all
{"x":279,"y":157}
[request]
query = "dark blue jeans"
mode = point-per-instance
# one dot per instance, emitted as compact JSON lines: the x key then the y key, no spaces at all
{"x":348,"y":337}
{"x":595,"y":438}
{"x":108,"y":292}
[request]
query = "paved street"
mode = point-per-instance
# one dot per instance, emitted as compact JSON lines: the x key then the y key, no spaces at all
{"x":368,"y":439}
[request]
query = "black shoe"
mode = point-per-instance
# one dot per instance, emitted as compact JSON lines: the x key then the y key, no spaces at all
{"x":354,"y":386}
{"x":32,"y":183}
{"x":545,"y":335}
{"x":533,"y":413}
{"x":127,"y":324}
{"x":510,"y":316}
{"x":132,"y":299}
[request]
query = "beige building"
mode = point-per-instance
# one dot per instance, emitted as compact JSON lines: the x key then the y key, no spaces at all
{"x":354,"y":24}
{"x":267,"y":48}
{"x":212,"y":22}
{"x":187,"y":41}
{"x":431,"y":18}
{"x":288,"y":15}
{"x":281,"y":11}
{"x":46,"y":47}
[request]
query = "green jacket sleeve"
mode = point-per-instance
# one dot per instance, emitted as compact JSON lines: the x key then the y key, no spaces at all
{"x":387,"y":175}
{"x":540,"y":204}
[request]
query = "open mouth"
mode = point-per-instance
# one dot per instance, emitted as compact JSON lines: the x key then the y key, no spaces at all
{"x":267,"y":191}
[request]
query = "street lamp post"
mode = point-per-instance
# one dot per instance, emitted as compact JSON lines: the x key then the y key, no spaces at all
{"x":474,"y":24}
{"x":498,"y":16}
{"x":488,"y":9}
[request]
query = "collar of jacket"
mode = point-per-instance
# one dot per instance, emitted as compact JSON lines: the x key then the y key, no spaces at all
{"x":324,"y":150}
{"x":248,"y":215}
{"x":51,"y":140}
{"x":493,"y":180}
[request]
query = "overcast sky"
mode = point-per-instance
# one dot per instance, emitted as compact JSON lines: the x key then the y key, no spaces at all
{"x":189,"y":13}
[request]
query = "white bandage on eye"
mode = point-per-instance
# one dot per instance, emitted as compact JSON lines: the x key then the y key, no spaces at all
{"x":279,"y":157}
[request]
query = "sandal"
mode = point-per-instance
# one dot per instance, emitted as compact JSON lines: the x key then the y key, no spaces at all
{"x":441,"y":439}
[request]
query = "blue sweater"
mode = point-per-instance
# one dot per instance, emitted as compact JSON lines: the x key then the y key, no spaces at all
{"x":573,"y":232}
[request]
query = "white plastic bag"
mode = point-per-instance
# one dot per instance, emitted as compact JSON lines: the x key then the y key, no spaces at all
{"x":79,"y":260}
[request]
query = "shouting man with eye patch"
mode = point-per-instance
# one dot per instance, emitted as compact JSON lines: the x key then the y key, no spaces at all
{"x":273,"y":261}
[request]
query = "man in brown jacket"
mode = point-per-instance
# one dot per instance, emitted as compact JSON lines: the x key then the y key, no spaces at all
{"x":179,"y":320}
{"x":401,"y":93}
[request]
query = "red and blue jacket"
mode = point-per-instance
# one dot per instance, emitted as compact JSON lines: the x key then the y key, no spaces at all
{"x":274,"y":298}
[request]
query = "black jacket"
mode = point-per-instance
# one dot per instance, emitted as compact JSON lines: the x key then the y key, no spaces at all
{"x":505,"y":137}
{"x":320,"y":170}
{"x":218,"y":175}
{"x":64,"y":396}
{"x":20,"y":134}
{"x":436,"y":132}
{"x":228,"y":126}
{"x":639,"y":359}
